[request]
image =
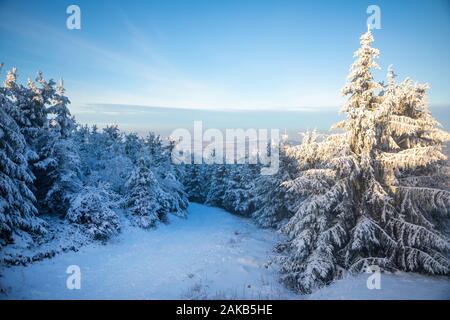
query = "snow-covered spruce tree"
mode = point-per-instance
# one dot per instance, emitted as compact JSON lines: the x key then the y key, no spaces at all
{"x":17,"y":202}
{"x":144,"y":195}
{"x":417,"y":177}
{"x":93,"y":208}
{"x":198,"y":180}
{"x":84,"y":140}
{"x":414,"y":132}
{"x":30,"y":113}
{"x":133,"y":146}
{"x":239,"y":195}
{"x":154,"y":146}
{"x":61,"y":119}
{"x":194,"y":181}
{"x":169,"y":177}
{"x":158,"y":153}
{"x":272,"y":199}
{"x":114,"y":166}
{"x":59,"y":176}
{"x":321,"y":208}
{"x":218,"y":180}
{"x":105,"y":160}
{"x":353,"y":209}
{"x":57,"y":171}
{"x":36,"y":127}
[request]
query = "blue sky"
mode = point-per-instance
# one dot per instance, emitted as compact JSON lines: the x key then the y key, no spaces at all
{"x":223,"y":54}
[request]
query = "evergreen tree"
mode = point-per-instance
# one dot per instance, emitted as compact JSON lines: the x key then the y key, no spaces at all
{"x":57,"y":170}
{"x":194,"y":180}
{"x":144,"y":195}
{"x":29,"y":112}
{"x":154,"y":146}
{"x":133,"y":146}
{"x":272,"y":201}
{"x":17,"y":202}
{"x":239,"y":195}
{"x":93,"y":208}
{"x":105,"y":156}
{"x":169,"y":177}
{"x":59,"y":176}
{"x":62,"y":120}
{"x":352,"y":210}
{"x":218,"y":181}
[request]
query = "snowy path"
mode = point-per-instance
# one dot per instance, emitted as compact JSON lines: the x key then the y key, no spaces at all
{"x":212,"y":254}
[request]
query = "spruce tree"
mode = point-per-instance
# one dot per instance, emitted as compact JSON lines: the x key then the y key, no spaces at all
{"x":62,"y":120}
{"x":272,"y":201}
{"x":353,"y":208}
{"x":218,"y":181}
{"x":239,"y":196}
{"x":144,"y":195}
{"x":57,"y":170}
{"x":93,"y":208}
{"x":17,"y":202}
{"x":194,"y":180}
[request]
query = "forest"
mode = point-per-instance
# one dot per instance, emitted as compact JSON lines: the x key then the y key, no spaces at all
{"x":374,"y":190}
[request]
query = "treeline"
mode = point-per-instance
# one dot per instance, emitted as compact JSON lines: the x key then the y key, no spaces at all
{"x":50,"y":165}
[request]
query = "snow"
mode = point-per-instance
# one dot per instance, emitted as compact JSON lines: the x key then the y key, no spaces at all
{"x":210,"y":255}
{"x":401,"y":285}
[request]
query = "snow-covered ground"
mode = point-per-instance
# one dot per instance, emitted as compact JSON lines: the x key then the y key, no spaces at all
{"x":400,"y":285}
{"x":210,"y":255}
